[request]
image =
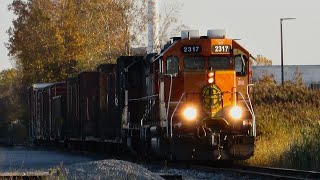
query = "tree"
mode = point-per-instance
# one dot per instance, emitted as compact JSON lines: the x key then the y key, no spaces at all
{"x":10,"y":102}
{"x":298,"y":78}
{"x":170,"y":22}
{"x":51,"y":40}
{"x":36,"y":43}
{"x":261,"y":60}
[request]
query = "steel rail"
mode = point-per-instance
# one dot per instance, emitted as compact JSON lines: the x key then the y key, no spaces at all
{"x":26,"y":175}
{"x":264,"y":172}
{"x":171,"y":176}
{"x":285,"y":172}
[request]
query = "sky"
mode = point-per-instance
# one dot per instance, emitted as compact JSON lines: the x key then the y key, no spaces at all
{"x":255,"y":22}
{"x":6,"y":18}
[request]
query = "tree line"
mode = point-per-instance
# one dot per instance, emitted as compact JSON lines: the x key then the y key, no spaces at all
{"x":51,"y":40}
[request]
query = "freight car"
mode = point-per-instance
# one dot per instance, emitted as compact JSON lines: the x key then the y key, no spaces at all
{"x":190,"y":102}
{"x":46,"y":110}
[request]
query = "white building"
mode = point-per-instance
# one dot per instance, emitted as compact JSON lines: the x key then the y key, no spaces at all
{"x":310,"y":73}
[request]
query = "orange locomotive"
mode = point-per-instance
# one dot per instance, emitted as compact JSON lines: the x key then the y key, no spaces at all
{"x":204,"y":88}
{"x":190,"y":102}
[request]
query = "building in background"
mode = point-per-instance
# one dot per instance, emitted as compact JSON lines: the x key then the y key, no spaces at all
{"x":310,"y":73}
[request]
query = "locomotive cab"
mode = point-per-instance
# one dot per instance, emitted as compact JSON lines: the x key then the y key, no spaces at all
{"x":205,"y":85}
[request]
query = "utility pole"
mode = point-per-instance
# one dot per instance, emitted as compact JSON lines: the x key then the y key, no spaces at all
{"x":282,"y":19}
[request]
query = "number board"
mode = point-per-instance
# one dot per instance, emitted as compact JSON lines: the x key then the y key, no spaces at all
{"x":191,"y":49}
{"x":221,"y":49}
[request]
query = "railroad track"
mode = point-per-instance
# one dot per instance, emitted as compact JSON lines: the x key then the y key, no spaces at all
{"x":263,"y":172}
{"x":25,"y":176}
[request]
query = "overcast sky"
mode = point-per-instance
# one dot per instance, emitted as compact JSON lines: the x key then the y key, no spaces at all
{"x":6,"y":18}
{"x":255,"y":22}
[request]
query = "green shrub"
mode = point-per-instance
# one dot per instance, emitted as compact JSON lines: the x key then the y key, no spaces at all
{"x":288,"y":125}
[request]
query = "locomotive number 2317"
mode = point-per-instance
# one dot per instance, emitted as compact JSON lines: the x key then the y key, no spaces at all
{"x":191,"y":49}
{"x":221,"y":49}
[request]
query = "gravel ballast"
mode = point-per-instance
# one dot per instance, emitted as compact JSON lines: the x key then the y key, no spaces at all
{"x":109,"y":169}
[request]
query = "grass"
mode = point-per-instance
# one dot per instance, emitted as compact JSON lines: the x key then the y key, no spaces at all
{"x":288,"y":125}
{"x":58,"y":172}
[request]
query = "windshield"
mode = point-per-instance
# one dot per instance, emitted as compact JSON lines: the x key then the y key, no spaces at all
{"x":172,"y":65}
{"x":220,"y":62}
{"x":240,"y":65}
{"x":193,"y":63}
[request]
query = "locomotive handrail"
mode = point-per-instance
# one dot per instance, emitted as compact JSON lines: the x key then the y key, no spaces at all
{"x":144,"y":98}
{"x":249,"y":108}
{"x":249,"y":96}
{"x":251,"y":112}
{"x":127,"y":68}
{"x":253,"y":116}
{"x":169,"y":99}
{"x":175,"y":109}
{"x":147,"y":111}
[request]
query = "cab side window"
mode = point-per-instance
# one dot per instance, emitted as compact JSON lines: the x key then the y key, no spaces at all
{"x":173,"y":65}
{"x":240,"y":65}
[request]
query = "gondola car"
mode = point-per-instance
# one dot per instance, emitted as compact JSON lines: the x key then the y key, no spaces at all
{"x":46,"y":106}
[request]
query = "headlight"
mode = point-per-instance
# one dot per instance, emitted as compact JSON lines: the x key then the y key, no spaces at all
{"x":190,"y":113}
{"x":236,"y":112}
{"x":210,"y":80}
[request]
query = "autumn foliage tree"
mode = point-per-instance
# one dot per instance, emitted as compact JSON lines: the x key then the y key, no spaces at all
{"x":261,"y":61}
{"x":54,"y":39}
{"x":11,"y":108}
{"x":8,"y":97}
{"x":51,"y":40}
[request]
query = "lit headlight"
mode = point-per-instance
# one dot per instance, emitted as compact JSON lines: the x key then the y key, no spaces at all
{"x":236,"y":112}
{"x":190,"y":113}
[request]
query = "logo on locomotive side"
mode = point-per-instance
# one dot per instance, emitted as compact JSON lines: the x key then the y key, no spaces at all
{"x":211,"y":97}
